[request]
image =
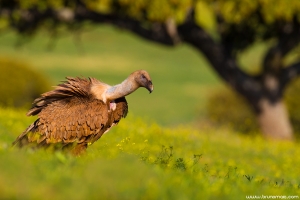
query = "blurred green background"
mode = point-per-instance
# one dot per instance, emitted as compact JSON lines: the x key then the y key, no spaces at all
{"x":182,"y":78}
{"x":186,"y":89}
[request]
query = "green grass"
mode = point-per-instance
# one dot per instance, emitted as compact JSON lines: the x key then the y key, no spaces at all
{"x":181,"y":76}
{"x":137,"y":160}
{"x":140,"y":159}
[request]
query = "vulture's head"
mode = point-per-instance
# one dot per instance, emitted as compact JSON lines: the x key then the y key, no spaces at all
{"x":143,"y":79}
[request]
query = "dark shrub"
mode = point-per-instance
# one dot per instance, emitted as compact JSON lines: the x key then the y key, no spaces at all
{"x":19,"y":84}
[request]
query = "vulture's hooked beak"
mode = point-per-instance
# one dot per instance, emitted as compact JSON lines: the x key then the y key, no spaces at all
{"x":150,"y":86}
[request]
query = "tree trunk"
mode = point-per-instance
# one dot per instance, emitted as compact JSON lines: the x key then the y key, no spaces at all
{"x":273,"y":120}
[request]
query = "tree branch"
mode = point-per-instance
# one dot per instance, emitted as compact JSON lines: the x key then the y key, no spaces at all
{"x":289,"y":38}
{"x":222,"y":62}
{"x":156,"y":32}
{"x":289,"y":74}
{"x":274,"y":79}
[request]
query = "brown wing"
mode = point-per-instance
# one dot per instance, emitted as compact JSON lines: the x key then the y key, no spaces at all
{"x":115,"y":116}
{"x":74,"y":120}
{"x":67,"y":114}
{"x":72,"y":87}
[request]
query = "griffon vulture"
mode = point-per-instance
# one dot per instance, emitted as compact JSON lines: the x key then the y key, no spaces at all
{"x":79,"y":111}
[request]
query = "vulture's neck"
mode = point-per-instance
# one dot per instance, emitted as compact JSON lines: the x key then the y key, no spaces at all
{"x":121,"y":90}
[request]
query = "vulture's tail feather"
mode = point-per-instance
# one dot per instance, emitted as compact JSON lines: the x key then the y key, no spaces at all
{"x":23,"y":140}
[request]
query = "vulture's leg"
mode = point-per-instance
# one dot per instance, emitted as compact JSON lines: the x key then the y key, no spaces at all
{"x":79,"y":149}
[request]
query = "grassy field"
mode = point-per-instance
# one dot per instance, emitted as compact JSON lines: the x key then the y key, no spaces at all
{"x":138,"y":160}
{"x":154,"y":153}
{"x":182,"y":78}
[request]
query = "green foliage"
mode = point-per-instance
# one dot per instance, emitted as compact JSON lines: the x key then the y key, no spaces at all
{"x":156,"y":10}
{"x":226,"y":108}
{"x":237,"y":12}
{"x":232,"y":11}
{"x":20,"y":85}
{"x":205,"y":16}
{"x":139,"y":161}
